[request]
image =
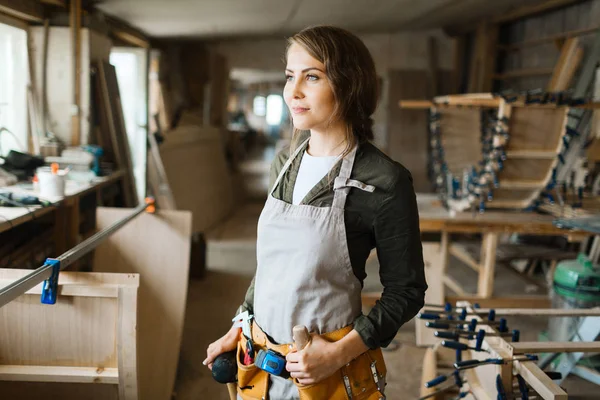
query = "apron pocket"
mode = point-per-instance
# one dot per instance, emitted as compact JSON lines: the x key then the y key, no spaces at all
{"x":356,"y":377}
{"x":331,"y":388}
{"x":252,"y":381}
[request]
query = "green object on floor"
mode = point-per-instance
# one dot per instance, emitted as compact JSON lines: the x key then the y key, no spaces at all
{"x":578,"y":279}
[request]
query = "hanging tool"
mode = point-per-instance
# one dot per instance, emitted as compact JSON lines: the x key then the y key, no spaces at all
{"x":468,"y":364}
{"x":457,"y":334}
{"x":48,"y":273}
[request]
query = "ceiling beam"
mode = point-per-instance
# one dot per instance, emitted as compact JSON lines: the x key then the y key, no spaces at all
{"x":28,"y":10}
{"x":528,"y":11}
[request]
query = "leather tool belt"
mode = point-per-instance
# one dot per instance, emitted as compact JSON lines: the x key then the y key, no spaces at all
{"x":361,"y":379}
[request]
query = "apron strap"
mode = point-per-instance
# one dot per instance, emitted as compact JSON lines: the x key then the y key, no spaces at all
{"x":341,"y":186}
{"x":287,"y":165}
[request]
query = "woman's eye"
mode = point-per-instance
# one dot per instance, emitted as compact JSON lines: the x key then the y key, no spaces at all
{"x":312,"y":77}
{"x":288,"y":78}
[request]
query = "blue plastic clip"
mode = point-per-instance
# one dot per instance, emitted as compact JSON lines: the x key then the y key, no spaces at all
{"x":50,"y":286}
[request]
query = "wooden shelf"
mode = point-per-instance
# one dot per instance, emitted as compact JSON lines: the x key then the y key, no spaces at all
{"x":537,"y":154}
{"x":523,"y":73}
{"x":547,"y":39}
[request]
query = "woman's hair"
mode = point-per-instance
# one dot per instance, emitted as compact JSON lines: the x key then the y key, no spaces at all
{"x":351,"y":71}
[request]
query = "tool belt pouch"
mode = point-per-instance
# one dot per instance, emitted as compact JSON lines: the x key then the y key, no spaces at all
{"x":252,"y":381}
{"x":354,"y":381}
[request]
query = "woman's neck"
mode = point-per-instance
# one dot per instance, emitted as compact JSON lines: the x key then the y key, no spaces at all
{"x":324,"y":144}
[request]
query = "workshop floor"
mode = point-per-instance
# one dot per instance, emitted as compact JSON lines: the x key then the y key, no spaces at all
{"x":213,"y":300}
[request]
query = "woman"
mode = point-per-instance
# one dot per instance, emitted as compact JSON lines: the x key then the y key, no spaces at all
{"x":334,"y":198}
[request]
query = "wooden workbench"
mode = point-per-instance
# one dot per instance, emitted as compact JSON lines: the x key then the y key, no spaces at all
{"x":65,"y":213}
{"x":434,"y":218}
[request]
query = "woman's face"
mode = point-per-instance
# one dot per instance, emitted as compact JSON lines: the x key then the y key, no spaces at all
{"x":307,"y":93}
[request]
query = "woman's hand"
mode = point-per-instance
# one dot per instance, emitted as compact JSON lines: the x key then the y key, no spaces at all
{"x":320,"y":359}
{"x":226,"y":343}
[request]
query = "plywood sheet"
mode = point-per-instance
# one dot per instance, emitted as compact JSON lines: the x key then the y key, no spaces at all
{"x":536,"y":128}
{"x":80,"y":330}
{"x":196,"y":168}
{"x":158,"y":248}
{"x":529,"y":169}
{"x":408,"y":136}
{"x":461,"y":138}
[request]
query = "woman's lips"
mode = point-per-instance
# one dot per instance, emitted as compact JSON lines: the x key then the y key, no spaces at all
{"x":299,"y":110}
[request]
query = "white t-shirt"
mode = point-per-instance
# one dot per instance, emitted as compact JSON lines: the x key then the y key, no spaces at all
{"x":312,"y":170}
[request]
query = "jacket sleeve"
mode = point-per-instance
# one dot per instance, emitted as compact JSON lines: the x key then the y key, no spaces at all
{"x":400,"y":252}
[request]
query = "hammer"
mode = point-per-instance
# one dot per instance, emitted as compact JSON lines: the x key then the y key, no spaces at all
{"x":224,"y":370}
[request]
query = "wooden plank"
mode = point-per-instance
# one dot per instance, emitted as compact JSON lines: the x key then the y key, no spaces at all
{"x":454,"y":286}
{"x":534,"y":9}
{"x":71,"y":341}
{"x":539,"y":381}
{"x":549,"y":39}
{"x":113,"y":110}
{"x":416,"y":104}
{"x":521,"y":73}
{"x":33,"y":373}
{"x":504,"y":302}
{"x":435,"y":258}
{"x":127,"y":344}
{"x":408,"y":140}
{"x":568,"y":62}
{"x":429,"y":372}
{"x":552,"y":347}
{"x":75,"y":27}
{"x":485,"y":287}
{"x":196,"y":168}
{"x":139,"y":247}
{"x":459,"y":252}
{"x":28,"y":10}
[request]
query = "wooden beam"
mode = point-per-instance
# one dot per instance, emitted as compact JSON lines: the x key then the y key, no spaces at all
{"x":530,"y":10}
{"x":59,"y":3}
{"x":415,"y":104}
{"x":539,"y":381}
{"x":131,"y":39}
{"x":28,"y":10}
{"x":485,"y":286}
{"x":459,"y":252}
{"x":454,"y":285}
{"x":555,"y":347}
{"x":522,"y":73}
{"x":504,"y":302}
{"x":548,"y":39}
{"x":570,"y":57}
{"x":35,"y":373}
{"x":75,"y":25}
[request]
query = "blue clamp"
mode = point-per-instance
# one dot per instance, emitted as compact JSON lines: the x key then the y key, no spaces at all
{"x":50,"y":285}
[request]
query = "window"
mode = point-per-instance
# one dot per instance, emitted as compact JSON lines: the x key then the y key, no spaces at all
{"x":274,"y":109}
{"x":14,"y":78}
{"x":132,"y":75}
{"x":259,"y":106}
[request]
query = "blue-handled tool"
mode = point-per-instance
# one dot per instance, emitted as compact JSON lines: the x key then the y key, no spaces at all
{"x":457,"y":334}
{"x":468,"y":364}
{"x":463,"y":346}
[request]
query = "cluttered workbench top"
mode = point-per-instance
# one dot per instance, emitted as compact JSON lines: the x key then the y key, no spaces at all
{"x":434,"y":217}
{"x":12,"y":215}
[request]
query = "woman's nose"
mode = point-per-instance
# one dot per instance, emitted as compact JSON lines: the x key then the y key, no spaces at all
{"x":297,"y":92}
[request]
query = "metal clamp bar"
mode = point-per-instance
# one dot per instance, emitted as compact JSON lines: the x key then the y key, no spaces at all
{"x":49,"y":273}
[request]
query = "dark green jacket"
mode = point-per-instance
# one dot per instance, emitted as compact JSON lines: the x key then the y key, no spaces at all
{"x":387,"y":220}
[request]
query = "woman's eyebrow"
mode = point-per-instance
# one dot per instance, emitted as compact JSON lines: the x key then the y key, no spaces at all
{"x":305,"y":69}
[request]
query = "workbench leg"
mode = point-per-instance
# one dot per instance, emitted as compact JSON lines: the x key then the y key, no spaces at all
{"x":489,"y":243}
{"x":60,"y":228}
{"x":435,"y":256}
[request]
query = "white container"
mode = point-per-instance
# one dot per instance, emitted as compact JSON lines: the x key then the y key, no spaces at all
{"x":51,"y":185}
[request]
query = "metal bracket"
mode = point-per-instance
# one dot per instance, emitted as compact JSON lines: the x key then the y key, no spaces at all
{"x":50,"y":285}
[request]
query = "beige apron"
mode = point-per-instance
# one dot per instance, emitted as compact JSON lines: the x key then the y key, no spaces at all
{"x":304,"y":275}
